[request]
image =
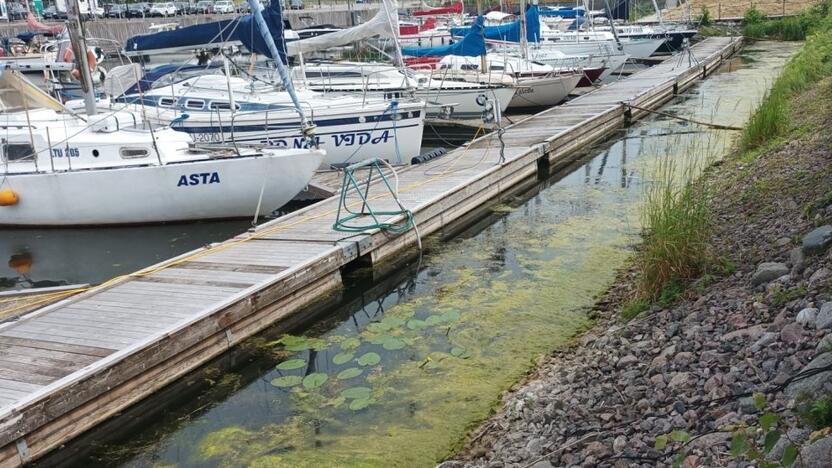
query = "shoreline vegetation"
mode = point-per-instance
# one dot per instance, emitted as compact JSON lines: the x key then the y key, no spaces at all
{"x":715,"y":347}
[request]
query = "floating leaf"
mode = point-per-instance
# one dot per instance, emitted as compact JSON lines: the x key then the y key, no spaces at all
{"x":342,"y":358}
{"x":771,"y":440}
{"x":349,"y":373}
{"x":378,"y":327}
{"x":661,"y":442}
{"x":350,"y":343}
{"x":358,"y":405}
{"x":460,"y":352}
{"x":450,"y":316}
{"x":789,"y":455}
{"x":416,"y":324}
{"x":433,"y":320}
{"x":369,"y":359}
{"x":379,"y":339}
{"x":314,"y":380}
{"x":392,"y":344}
{"x":302,"y":343}
{"x":287,"y":381}
{"x":392,"y":322}
{"x":357,"y":393}
{"x":292,"y":364}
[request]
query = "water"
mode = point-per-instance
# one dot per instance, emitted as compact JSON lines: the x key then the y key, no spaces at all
{"x":424,"y":353}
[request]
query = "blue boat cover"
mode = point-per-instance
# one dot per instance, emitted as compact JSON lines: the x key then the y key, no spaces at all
{"x":564,"y":12}
{"x":472,"y":45}
{"x":243,"y":29}
{"x":510,"y":32}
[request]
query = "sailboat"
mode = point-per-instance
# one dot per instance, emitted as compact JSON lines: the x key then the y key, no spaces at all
{"x":248,"y":110}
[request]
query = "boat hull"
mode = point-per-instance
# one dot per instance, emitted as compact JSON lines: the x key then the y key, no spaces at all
{"x":544,"y":91}
{"x":204,"y":189}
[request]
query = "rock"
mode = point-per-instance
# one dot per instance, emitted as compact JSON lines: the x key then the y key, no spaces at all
{"x":747,"y":405}
{"x":626,"y":361}
{"x":824,"y":317}
{"x":713,"y":439}
{"x":782,"y":242}
{"x":820,"y":275}
{"x":450,"y":464}
{"x":797,"y":259}
{"x":791,"y":333}
{"x":817,"y":241}
{"x":814,"y":385}
{"x":597,"y":450}
{"x":795,"y":435}
{"x":619,"y":444}
{"x":679,"y":379}
{"x":752,"y":332}
{"x":825,"y":344}
{"x":817,"y":454}
{"x":765,"y":340}
{"x":768,"y":271}
{"x":807,"y":316}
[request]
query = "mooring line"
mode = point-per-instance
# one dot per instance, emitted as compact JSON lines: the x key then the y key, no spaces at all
{"x":684,"y":119}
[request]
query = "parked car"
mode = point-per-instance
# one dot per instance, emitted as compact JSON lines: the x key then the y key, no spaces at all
{"x":224,"y":7}
{"x":137,"y":10}
{"x":204,"y":7}
{"x":163,"y":9}
{"x":296,"y":4}
{"x":17,"y":11}
{"x":182,"y":8}
{"x":115,"y":10}
{"x":52,"y":13}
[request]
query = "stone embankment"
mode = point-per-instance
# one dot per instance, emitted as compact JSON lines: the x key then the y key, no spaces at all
{"x":763,"y":327}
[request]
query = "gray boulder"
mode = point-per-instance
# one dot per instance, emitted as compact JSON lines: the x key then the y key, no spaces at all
{"x":814,"y":385}
{"x":768,"y":271}
{"x":807,"y":316}
{"x":824,"y":317}
{"x":818,"y":240}
{"x":817,"y":454}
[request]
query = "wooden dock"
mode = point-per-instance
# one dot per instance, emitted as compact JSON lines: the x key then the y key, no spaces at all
{"x":70,"y":365}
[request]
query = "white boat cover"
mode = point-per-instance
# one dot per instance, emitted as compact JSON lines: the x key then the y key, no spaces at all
{"x":385,"y":23}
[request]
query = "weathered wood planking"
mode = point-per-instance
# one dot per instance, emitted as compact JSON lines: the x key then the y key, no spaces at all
{"x":71,"y":365}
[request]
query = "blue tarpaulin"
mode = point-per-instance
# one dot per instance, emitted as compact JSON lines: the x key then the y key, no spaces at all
{"x":472,"y":45}
{"x":510,"y":32}
{"x":242,"y":29}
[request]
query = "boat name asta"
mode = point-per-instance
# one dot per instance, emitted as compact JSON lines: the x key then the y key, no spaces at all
{"x":203,"y":178}
{"x":338,"y":139}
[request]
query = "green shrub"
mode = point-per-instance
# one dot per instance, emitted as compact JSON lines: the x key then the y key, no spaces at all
{"x":705,"y":17}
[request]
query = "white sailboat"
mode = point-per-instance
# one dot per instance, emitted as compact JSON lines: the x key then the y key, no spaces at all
{"x":61,"y":170}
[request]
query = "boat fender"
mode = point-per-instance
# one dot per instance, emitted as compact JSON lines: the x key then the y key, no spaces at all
{"x":427,"y":156}
{"x":8,"y":197}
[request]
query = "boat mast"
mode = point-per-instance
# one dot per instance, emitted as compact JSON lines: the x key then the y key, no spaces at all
{"x":483,"y":61}
{"x":524,"y":43}
{"x":79,"y":48}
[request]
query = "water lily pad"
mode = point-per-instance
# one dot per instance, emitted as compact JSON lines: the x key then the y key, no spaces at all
{"x":342,"y":358}
{"x":433,"y":320}
{"x":378,"y":327}
{"x":460,"y":352}
{"x":292,"y":364}
{"x":450,"y":316}
{"x":302,"y":343}
{"x":287,"y":381}
{"x":357,"y":393}
{"x":416,"y":324}
{"x":379,"y":339}
{"x":350,"y":343}
{"x":350,"y":373}
{"x":358,"y":405}
{"x":314,"y":380}
{"x":369,"y":359}
{"x":392,"y":322}
{"x":393,"y":344}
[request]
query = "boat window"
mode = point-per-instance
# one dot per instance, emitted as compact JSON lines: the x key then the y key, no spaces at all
{"x":194,"y":103}
{"x":166,"y":102}
{"x":18,"y":152}
{"x":133,"y":153}
{"x":469,"y":66}
{"x":497,"y":67}
{"x":222,"y":105}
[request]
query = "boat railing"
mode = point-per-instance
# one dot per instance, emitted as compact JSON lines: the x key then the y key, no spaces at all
{"x":309,"y":111}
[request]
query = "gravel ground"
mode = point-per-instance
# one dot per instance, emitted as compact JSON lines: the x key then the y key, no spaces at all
{"x":694,"y":366}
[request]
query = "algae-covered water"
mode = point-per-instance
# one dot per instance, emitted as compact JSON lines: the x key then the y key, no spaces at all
{"x":400,"y":370}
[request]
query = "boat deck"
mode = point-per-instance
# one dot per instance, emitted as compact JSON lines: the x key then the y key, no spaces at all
{"x":70,"y":365}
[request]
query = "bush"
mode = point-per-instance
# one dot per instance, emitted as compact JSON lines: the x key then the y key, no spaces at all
{"x":705,"y":17}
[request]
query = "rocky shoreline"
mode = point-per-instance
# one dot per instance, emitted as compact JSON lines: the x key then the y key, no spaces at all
{"x":764,"y":327}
